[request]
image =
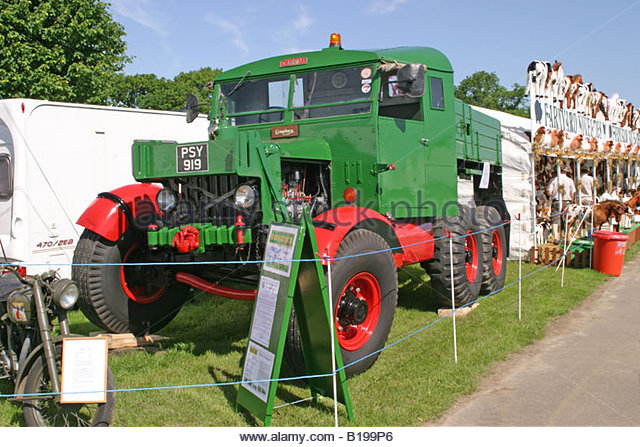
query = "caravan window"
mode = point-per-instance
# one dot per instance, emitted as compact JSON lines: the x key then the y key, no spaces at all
{"x":6,"y":177}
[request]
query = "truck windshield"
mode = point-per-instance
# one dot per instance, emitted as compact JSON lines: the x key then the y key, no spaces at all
{"x":315,"y":94}
{"x":319,"y":94}
{"x":259,"y":101}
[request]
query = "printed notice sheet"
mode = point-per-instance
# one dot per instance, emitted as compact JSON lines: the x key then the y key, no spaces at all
{"x":84,"y":370}
{"x":280,"y":247}
{"x":486,"y":171}
{"x":265,"y":310}
{"x":258,"y":366}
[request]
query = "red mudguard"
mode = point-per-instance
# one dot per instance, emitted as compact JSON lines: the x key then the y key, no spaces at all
{"x":106,"y":218}
{"x":333,"y":225}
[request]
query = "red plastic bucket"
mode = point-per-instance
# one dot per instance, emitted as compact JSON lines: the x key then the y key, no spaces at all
{"x":608,"y":251}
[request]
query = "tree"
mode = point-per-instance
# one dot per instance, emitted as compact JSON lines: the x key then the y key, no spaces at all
{"x":483,"y":89}
{"x":62,"y":50}
{"x":133,"y":90}
{"x":146,"y":91}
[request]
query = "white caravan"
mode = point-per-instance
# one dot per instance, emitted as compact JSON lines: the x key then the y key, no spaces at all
{"x":55,"y":158}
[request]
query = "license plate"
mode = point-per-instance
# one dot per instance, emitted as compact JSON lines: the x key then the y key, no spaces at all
{"x":192,"y":158}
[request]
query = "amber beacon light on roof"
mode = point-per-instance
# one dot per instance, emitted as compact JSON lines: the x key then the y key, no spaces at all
{"x":334,"y":40}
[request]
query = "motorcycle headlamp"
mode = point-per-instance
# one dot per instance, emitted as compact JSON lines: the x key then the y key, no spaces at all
{"x":245,"y":196}
{"x":65,"y":293}
{"x":166,"y":199}
{"x":20,"y":305}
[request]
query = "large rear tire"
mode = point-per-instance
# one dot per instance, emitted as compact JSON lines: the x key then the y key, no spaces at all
{"x":120,"y":298}
{"x":365,"y":293}
{"x":486,"y":220}
{"x":467,"y":260}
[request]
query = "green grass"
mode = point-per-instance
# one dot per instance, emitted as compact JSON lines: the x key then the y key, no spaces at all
{"x":412,"y":382}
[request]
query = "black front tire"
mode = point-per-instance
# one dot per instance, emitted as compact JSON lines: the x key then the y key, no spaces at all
{"x":103,"y":298}
{"x":377,"y":268}
{"x":47,"y":412}
{"x":467,"y":260}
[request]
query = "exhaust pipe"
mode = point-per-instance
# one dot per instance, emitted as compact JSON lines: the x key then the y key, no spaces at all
{"x":206,"y":286}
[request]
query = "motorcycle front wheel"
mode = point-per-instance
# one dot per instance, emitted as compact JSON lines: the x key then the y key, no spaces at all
{"x":47,"y":411}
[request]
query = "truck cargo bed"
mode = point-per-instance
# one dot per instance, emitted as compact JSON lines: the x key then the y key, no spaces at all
{"x":477,"y":135}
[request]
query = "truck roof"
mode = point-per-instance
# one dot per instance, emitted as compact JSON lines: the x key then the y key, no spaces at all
{"x":334,"y":56}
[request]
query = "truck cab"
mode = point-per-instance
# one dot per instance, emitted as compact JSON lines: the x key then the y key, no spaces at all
{"x":349,"y":102}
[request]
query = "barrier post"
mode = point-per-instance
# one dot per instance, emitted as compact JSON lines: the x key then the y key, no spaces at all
{"x":559,"y":195}
{"x":520,"y":269}
{"x":593,"y":203}
{"x":333,"y":340}
{"x":564,"y":255}
{"x":533,"y":201}
{"x":577,"y":176}
{"x":453,"y":301}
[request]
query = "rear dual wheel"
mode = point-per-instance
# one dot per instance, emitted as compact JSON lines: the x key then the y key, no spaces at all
{"x":468,"y":264}
{"x":487,"y":221}
{"x":365,"y":293}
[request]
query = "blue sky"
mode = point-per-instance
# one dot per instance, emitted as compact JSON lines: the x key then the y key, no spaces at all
{"x":598,"y":39}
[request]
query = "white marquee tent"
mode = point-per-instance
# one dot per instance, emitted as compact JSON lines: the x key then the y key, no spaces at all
{"x":516,"y":179}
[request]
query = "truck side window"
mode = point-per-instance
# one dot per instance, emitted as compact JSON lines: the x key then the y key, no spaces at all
{"x":437,"y":93}
{"x":6,"y":177}
{"x":395,"y":104}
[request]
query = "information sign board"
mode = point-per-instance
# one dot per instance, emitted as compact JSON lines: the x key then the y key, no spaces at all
{"x":284,"y":284}
{"x":84,"y":370}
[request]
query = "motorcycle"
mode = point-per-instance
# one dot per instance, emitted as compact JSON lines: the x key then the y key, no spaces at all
{"x":31,"y":356}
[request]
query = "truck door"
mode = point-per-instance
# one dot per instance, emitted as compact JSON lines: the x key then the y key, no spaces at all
{"x":6,"y":183}
{"x":401,"y":129}
{"x":440,"y":149}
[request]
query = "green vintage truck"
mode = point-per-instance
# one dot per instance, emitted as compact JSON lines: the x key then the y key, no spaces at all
{"x":373,"y":143}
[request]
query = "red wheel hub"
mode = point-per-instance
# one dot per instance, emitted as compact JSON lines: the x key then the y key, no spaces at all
{"x":471,"y":256}
{"x":496,"y":253}
{"x":137,"y":280}
{"x":357,"y":311}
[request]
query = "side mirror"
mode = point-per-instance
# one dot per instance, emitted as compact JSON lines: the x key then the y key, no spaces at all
{"x":192,"y":108}
{"x":411,"y":80}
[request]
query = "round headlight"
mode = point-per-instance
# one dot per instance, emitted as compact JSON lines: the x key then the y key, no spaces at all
{"x":245,"y":196}
{"x":65,"y":293}
{"x":166,"y":199}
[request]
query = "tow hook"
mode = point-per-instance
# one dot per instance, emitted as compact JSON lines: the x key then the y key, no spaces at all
{"x":186,"y":240}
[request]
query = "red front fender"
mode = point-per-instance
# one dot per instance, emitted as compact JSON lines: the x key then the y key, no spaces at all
{"x":414,"y":243}
{"x":106,"y":218}
{"x":333,"y":225}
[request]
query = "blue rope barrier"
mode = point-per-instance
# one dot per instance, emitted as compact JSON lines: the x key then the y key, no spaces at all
{"x":261,"y":261}
{"x":477,"y":300}
{"x":283,"y":379}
